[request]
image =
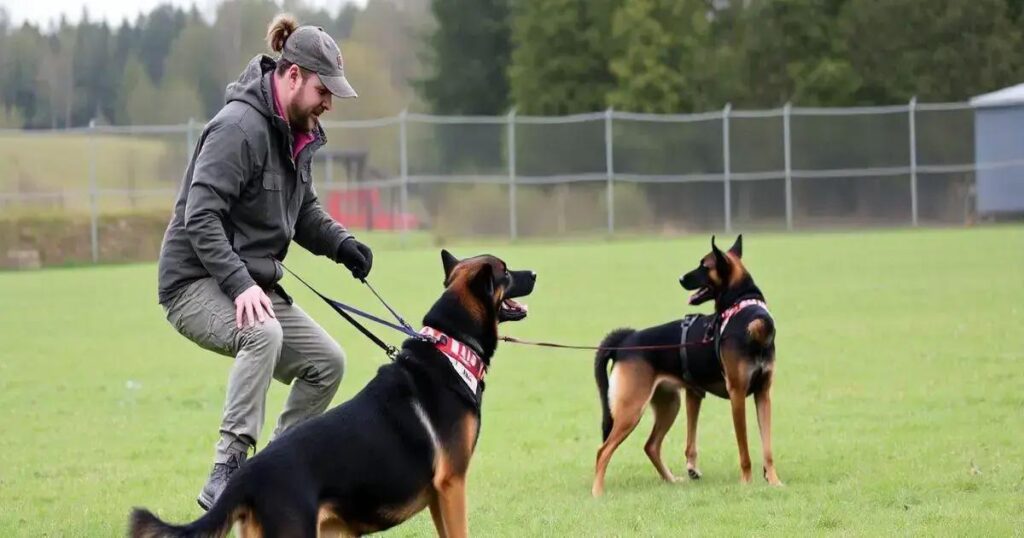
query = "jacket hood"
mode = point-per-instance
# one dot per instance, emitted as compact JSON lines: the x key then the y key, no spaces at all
{"x":253,"y":85}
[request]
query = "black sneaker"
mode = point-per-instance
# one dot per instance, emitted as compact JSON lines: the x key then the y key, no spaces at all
{"x":219,"y":479}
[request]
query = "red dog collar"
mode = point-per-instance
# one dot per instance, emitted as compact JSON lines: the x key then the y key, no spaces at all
{"x":464,"y":360}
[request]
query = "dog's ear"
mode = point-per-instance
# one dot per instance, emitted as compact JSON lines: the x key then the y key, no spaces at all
{"x":737,"y":248}
{"x":721,"y":262}
{"x":449,"y":262}
{"x":483,"y":280}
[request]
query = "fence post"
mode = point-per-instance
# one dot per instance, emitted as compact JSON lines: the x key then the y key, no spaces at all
{"x":403,"y":157}
{"x":93,"y":195}
{"x":329,"y":170}
{"x":610,"y":169}
{"x":913,"y":161}
{"x":725,"y":167}
{"x":787,"y":147}
{"x":190,"y":140}
{"x":511,"y":135}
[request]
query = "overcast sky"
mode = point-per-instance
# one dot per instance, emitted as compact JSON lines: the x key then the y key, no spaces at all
{"x":43,"y":12}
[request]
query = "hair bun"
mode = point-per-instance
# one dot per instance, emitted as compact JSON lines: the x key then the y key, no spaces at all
{"x":280,"y":28}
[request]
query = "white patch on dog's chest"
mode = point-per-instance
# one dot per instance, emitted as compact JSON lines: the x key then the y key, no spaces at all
{"x":435,"y":441}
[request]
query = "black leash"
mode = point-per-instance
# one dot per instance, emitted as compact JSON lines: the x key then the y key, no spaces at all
{"x":406,"y":329}
{"x":514,"y":340}
{"x":343,"y":310}
{"x":386,"y":305}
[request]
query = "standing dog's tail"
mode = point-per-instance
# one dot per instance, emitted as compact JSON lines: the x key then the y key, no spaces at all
{"x":601,"y":359}
{"x":213,"y":524}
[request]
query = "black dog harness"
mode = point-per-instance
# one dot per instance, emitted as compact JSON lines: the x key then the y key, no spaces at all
{"x":712,"y":327}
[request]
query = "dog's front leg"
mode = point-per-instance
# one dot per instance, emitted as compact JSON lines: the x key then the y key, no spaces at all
{"x":435,"y":513}
{"x":450,"y":480}
{"x":737,"y":380}
{"x":452,"y":505}
{"x":693,"y":400}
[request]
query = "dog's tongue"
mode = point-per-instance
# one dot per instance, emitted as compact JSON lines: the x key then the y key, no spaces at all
{"x":696,"y":294}
{"x":512,"y":304}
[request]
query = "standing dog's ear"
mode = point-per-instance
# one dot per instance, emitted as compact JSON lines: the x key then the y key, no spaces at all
{"x":737,"y":248}
{"x":449,"y":263}
{"x":721,"y":261}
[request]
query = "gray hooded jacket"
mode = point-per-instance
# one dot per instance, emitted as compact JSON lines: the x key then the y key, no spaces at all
{"x":243,"y":199}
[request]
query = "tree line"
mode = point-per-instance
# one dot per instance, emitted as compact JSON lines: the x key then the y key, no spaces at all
{"x":171,"y":64}
{"x":538,"y":56}
{"x":667,"y":56}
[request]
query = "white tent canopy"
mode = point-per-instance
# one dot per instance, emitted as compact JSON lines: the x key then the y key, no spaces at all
{"x":1014,"y":95}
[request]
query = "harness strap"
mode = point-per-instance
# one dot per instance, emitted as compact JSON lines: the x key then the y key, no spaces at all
{"x":687,"y":322}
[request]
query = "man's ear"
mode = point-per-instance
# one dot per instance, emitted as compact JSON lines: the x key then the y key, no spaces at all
{"x":295,"y":75}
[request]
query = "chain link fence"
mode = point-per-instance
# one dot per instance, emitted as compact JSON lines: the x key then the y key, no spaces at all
{"x":109,"y":189}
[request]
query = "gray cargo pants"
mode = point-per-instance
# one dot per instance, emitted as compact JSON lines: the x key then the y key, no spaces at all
{"x":290,"y":347}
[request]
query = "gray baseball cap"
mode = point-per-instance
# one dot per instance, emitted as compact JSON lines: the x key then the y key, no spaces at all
{"x":310,"y":48}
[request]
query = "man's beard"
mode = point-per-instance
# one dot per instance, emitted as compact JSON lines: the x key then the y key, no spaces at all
{"x":302,"y":120}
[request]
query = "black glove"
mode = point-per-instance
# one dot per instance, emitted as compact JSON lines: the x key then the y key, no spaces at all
{"x":356,"y":256}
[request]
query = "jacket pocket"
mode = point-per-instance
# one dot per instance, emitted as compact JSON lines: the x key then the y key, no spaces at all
{"x":273,"y":181}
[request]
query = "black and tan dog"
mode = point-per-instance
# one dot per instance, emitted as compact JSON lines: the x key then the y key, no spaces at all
{"x":401,"y":444}
{"x":730,"y":354}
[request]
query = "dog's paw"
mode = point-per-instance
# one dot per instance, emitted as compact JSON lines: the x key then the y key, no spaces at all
{"x":694,"y":474}
{"x":771,"y":477}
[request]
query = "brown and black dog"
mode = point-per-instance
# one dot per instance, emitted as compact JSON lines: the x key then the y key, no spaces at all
{"x":730,"y":354}
{"x":401,"y":444}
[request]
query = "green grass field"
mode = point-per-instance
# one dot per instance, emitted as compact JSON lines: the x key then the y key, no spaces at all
{"x":898,"y":403}
{"x":54,"y":161}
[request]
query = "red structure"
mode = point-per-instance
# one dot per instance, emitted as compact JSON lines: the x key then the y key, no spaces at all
{"x":359,"y":205}
{"x":361,"y":208}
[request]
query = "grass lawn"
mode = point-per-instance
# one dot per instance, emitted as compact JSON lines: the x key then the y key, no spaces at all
{"x":898,"y":401}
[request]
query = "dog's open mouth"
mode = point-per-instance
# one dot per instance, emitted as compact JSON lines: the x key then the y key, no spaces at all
{"x":512,"y":310}
{"x":700,"y":295}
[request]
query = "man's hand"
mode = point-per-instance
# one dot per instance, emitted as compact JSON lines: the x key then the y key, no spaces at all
{"x":356,"y":256}
{"x":251,"y":305}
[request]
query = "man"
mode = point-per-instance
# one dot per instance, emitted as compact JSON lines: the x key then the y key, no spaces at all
{"x":247,"y":193}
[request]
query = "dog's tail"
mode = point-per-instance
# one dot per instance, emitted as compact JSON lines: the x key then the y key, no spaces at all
{"x":213,"y":524}
{"x":601,"y":360}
